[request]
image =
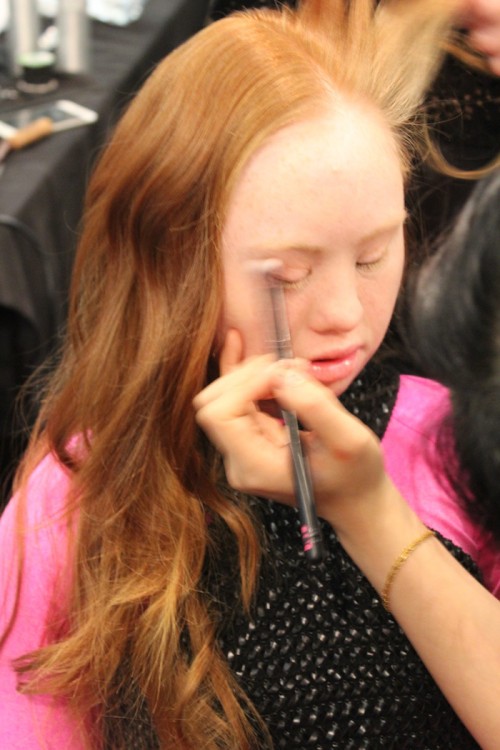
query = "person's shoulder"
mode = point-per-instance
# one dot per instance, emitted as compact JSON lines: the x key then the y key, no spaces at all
{"x":38,"y":508}
{"x":35,"y":579}
{"x":414,"y":388}
{"x":46,"y":489}
{"x":36,"y":528}
{"x":414,"y":460}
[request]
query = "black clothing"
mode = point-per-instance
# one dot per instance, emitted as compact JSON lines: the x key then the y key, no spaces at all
{"x":324,"y":663}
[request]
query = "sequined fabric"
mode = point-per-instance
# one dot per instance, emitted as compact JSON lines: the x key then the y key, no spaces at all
{"x":372,"y":395}
{"x":128,"y":725}
{"x":323,"y":662}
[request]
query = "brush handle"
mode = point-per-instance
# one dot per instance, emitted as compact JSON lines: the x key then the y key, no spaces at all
{"x":309,"y":525}
{"x":312,"y":538}
{"x":35,"y":131}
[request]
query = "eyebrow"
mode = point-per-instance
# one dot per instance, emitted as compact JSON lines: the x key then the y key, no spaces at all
{"x":390,"y":226}
{"x":387,"y":228}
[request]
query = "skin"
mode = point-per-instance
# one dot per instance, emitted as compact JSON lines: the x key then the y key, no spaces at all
{"x":324,"y":197}
{"x":482,"y":19}
{"x":318,"y":183}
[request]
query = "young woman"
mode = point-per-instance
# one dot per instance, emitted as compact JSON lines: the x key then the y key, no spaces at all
{"x":155,"y":591}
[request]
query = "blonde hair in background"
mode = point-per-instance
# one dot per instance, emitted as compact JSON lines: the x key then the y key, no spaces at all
{"x":145,"y":304}
{"x":458,"y":46}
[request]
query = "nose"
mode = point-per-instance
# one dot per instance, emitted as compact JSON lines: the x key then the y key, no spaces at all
{"x":336,"y":306}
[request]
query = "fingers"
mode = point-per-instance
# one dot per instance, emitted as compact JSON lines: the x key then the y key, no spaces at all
{"x":344,"y":454}
{"x":239,"y":385}
{"x":319,"y":411}
{"x":227,"y":409}
{"x":252,"y":443}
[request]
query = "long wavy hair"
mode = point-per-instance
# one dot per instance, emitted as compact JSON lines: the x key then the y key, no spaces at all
{"x":146,"y":298}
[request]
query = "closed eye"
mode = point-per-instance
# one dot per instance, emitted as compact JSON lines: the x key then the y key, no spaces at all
{"x":371,"y":259}
{"x":369,"y":265}
{"x":292,"y":284}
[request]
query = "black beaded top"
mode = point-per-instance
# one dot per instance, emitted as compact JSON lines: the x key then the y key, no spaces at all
{"x":323,"y":662}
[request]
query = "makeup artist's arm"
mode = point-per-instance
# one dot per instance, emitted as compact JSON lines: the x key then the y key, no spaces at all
{"x":453,"y":622}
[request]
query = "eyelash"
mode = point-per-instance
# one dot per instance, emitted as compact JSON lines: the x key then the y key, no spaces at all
{"x":292,"y":285}
{"x":370,"y":266}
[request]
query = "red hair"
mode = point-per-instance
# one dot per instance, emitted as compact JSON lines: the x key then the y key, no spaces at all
{"x":145,"y":304}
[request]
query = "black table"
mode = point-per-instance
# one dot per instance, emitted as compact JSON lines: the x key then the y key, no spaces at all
{"x":42,"y":189}
{"x":43,"y":185}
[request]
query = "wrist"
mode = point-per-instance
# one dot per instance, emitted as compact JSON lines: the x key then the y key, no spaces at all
{"x":375,"y":539}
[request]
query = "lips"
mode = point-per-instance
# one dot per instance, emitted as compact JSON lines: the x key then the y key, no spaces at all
{"x":339,"y":366}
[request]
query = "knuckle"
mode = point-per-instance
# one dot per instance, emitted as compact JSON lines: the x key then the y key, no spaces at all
{"x":363,"y":446}
{"x":206,"y":416}
{"x":200,"y":416}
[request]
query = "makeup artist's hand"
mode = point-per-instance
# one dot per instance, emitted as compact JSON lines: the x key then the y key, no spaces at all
{"x":436,"y":602}
{"x":350,"y":482}
{"x":252,"y":442}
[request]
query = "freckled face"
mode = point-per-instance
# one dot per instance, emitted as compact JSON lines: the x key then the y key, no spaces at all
{"x":326,"y":198}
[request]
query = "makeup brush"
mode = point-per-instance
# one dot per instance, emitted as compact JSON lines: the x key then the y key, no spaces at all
{"x":309,"y":526}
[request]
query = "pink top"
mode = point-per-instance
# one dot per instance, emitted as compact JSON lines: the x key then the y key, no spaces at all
{"x":409,"y":450}
{"x":32,"y":723}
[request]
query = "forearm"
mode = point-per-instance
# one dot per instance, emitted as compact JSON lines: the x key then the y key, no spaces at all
{"x":452,"y":621}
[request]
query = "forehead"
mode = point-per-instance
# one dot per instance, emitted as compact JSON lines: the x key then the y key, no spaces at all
{"x":341,"y":168}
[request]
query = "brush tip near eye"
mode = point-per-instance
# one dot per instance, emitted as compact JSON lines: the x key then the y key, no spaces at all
{"x":265,"y":265}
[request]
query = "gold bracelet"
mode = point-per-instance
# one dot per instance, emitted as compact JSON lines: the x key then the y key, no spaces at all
{"x":397,"y":564}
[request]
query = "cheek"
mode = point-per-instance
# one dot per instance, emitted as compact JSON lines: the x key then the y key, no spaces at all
{"x":232,"y":316}
{"x":229,"y":317}
{"x":388,"y":294}
{"x":243,"y":311}
{"x":379,"y":298}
